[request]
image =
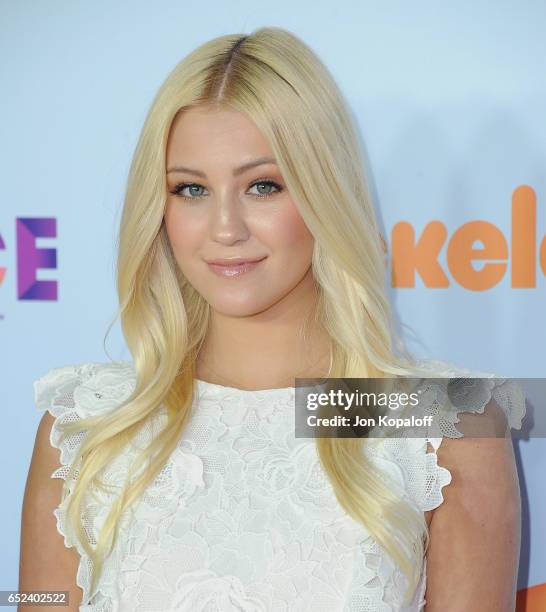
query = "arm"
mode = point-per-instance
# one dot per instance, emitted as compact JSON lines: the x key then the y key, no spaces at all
{"x":475,"y":535}
{"x":45,"y":563}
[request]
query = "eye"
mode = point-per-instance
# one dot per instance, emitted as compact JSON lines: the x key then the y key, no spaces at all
{"x":268,"y":183}
{"x":178,"y":189}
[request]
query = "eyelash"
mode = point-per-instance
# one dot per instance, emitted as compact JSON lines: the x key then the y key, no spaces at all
{"x":178,"y":188}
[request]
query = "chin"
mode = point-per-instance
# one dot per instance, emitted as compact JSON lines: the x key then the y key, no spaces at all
{"x":238,"y":308}
{"x":240,"y":302}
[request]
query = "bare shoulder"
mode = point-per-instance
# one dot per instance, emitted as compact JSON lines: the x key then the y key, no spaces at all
{"x":45,"y":563}
{"x":473,"y":556}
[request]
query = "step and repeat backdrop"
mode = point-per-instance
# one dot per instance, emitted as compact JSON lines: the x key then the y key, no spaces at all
{"x":450,"y":104}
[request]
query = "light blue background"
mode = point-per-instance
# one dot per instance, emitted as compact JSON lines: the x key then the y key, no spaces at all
{"x":450,"y":101}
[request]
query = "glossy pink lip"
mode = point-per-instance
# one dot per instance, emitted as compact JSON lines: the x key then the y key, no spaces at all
{"x":233,"y":267}
{"x":231,"y":261}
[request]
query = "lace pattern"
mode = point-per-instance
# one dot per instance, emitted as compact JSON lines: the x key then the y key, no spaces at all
{"x":242,"y":516}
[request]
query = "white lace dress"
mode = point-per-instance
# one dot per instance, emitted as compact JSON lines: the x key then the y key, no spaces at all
{"x":242,"y":516}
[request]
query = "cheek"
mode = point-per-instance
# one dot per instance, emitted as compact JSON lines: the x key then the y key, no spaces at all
{"x":293,"y":237}
{"x":183,"y":233}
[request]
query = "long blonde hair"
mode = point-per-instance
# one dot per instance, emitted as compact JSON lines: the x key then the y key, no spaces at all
{"x":277,"y":81}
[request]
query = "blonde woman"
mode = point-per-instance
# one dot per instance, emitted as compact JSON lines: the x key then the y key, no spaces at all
{"x":250,"y":255}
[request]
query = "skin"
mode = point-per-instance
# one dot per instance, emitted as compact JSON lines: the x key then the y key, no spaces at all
{"x":45,"y":564}
{"x":252,"y":341}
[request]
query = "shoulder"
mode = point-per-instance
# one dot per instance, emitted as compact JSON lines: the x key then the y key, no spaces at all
{"x":73,"y":392}
{"x":85,"y":388}
{"x":461,"y":395}
{"x":475,"y":446}
{"x":469,"y":444}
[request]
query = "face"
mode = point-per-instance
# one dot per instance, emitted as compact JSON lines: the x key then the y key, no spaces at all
{"x":227,"y":200}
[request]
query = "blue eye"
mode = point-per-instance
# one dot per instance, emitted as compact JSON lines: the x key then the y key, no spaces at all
{"x":177,"y":190}
{"x":268,"y":184}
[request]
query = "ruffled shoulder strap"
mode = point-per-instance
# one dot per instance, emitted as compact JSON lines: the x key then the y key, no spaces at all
{"x":71,"y":393}
{"x":468,"y":391}
{"x":464,"y":390}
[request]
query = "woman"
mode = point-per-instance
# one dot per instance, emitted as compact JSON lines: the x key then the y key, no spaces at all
{"x":249,"y":256}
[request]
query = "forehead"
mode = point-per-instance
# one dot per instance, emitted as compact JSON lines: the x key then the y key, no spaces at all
{"x":202,"y":131}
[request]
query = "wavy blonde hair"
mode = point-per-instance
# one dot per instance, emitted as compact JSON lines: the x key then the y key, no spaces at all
{"x":278,"y":82}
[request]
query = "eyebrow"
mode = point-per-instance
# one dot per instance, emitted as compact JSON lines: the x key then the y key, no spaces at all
{"x":252,"y":164}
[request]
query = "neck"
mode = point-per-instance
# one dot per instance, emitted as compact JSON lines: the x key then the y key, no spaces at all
{"x":268,"y":349}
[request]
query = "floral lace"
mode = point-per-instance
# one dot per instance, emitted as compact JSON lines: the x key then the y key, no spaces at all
{"x":242,"y":516}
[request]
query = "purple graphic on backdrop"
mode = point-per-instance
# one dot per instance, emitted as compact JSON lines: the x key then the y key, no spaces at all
{"x":2,"y":270}
{"x":30,"y":258}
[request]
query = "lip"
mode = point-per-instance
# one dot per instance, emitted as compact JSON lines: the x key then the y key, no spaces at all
{"x":232,"y":261}
{"x":234,"y":266}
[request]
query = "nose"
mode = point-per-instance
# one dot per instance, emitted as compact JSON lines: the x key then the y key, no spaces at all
{"x":227,"y":223}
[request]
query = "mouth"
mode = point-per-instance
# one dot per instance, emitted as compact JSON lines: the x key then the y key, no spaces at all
{"x":229,"y":268}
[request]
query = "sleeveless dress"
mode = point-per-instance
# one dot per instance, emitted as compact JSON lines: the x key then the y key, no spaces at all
{"x":242,"y":516}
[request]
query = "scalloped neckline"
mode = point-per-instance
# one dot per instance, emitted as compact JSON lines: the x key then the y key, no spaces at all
{"x":204,"y":385}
